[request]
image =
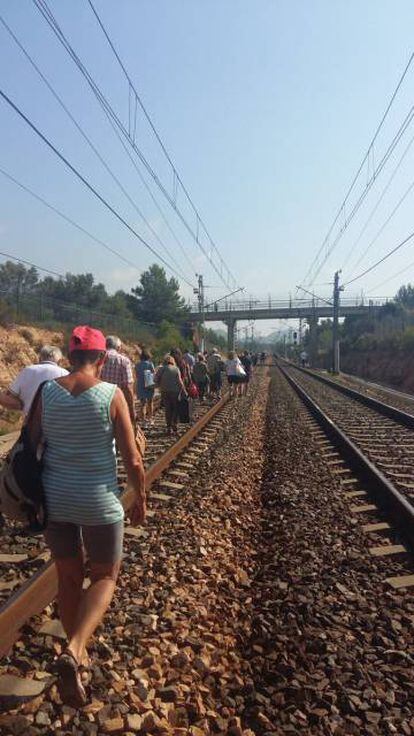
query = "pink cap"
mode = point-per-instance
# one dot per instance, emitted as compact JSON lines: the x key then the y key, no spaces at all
{"x":87,"y":338}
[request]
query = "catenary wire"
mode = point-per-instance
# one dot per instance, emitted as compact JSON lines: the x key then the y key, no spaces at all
{"x":86,"y":138}
{"x":394,"y":276}
{"x":152,"y":126}
{"x":384,"y":225}
{"x":90,"y":186}
{"x":381,"y":260}
{"x":42,"y":7}
{"x":404,"y":126}
{"x":375,"y":208}
{"x":366,"y":156}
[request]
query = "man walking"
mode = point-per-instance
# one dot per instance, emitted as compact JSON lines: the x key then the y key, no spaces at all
{"x":118,"y":369}
{"x":19,"y":396}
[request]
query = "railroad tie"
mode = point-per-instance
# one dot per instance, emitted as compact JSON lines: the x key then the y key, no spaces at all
{"x":386,"y":550}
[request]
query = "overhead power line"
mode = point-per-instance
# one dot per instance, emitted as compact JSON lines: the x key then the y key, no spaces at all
{"x":342,"y":209}
{"x":138,"y":100}
{"x":69,"y":220}
{"x":88,"y":140}
{"x":91,"y":188}
{"x":384,"y":225}
{"x":220,"y":266}
{"x":33,"y":265}
{"x":375,"y":208}
{"x":381,"y":260}
{"x":394,"y":276}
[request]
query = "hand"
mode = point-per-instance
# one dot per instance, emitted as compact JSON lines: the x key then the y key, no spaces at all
{"x":138,"y":511}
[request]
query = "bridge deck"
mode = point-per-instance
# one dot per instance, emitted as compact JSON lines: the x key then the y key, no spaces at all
{"x":294,"y":312}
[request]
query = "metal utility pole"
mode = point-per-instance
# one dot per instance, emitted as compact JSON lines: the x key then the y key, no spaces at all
{"x":335,"y":324}
{"x":201,"y":309}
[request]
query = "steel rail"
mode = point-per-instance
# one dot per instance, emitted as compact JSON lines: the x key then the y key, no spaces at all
{"x":384,"y":493}
{"x":398,"y":415}
{"x":41,"y":589}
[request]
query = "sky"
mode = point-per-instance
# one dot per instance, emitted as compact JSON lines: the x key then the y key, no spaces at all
{"x":266,"y":108}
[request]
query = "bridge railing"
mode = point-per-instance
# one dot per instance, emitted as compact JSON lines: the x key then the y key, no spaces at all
{"x":252,"y":305}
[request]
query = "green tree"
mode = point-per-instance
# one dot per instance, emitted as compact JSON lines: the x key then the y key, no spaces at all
{"x":16,"y":279}
{"x":156,"y":298}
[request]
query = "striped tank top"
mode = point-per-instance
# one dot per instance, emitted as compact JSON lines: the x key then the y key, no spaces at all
{"x":79,"y":474}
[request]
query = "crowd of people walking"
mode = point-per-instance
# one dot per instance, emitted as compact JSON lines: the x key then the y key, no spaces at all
{"x":77,"y":421}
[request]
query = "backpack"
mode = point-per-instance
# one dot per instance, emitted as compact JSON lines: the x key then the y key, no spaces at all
{"x":22,"y":496}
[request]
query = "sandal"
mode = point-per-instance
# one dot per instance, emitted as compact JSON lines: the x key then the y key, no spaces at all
{"x":69,"y":684}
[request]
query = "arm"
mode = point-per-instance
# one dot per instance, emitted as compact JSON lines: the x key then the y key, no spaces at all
{"x":128,"y":390}
{"x":10,"y":401}
{"x":125,"y":440}
{"x":181,"y":382}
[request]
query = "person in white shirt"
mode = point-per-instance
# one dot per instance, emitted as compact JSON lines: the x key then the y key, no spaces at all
{"x":20,"y":394}
{"x":235,"y":373}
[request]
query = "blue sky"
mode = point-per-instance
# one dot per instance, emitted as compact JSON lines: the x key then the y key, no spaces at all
{"x":266,"y":109}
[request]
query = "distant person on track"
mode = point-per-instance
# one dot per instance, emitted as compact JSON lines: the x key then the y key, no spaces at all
{"x":79,"y":416}
{"x":215,"y":366}
{"x":247,"y":364}
{"x":118,"y":370}
{"x":171,"y":385}
{"x":189,"y":359}
{"x":20,"y":394}
{"x":182,"y":366}
{"x":303,"y":358}
{"x":235,"y":374}
{"x":145,"y":373}
{"x":200,"y":376}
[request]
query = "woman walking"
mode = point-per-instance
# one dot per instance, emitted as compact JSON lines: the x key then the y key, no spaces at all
{"x":79,"y":416}
{"x":146,"y":386}
{"x":235,"y":374}
{"x":182,"y":366}
{"x":171,"y":386}
{"x":200,"y":376}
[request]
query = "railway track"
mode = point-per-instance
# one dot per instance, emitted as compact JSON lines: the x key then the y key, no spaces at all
{"x":397,"y":398}
{"x":23,"y":553}
{"x":370,"y":446}
{"x":27,"y":571}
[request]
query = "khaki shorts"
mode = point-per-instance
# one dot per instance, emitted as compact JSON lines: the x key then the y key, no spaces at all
{"x":102,"y":543}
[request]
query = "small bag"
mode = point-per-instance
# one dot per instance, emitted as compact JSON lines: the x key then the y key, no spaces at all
{"x":240,"y":370}
{"x":148,"y":378}
{"x":183,"y":409}
{"x":192,"y":390}
{"x":22,"y":496}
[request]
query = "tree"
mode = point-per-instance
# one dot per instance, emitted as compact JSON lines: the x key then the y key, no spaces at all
{"x":405,"y":296}
{"x":157,"y":298}
{"x":16,"y":279}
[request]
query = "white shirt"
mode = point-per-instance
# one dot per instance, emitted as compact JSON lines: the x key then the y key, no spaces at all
{"x":234,"y":367}
{"x":29,"y":379}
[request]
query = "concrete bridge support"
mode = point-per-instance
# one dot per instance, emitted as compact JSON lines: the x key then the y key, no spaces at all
{"x":313,"y":340}
{"x":231,"y":333}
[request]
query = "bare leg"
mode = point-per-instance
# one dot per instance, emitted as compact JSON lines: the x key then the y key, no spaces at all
{"x":70,"y":572}
{"x":150,"y":405}
{"x":144,"y":410}
{"x":93,"y":606}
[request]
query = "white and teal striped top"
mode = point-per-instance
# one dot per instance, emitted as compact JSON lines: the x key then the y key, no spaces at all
{"x":79,"y":474}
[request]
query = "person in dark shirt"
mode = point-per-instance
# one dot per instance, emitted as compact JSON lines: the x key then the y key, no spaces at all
{"x":246,"y":362}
